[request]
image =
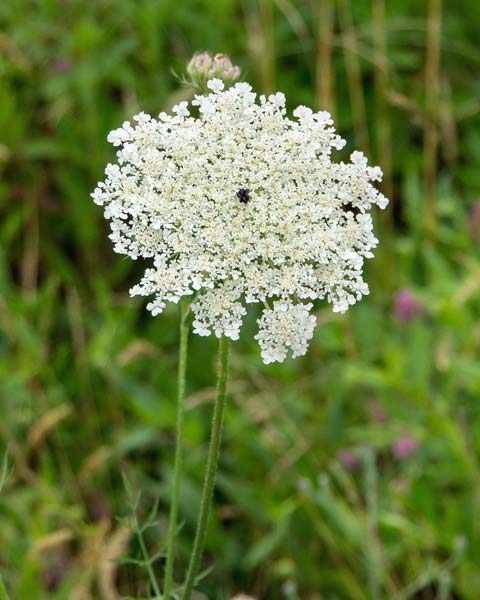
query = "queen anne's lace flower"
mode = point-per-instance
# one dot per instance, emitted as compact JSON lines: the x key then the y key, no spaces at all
{"x":286,"y":326}
{"x":242,"y":204}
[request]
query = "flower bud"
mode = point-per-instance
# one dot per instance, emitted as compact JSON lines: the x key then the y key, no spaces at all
{"x":232,"y":73}
{"x":200,"y":64}
{"x":222,"y":62}
{"x":203,"y":66}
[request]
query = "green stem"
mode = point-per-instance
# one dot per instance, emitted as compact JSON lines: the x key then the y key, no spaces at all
{"x":148,"y":564}
{"x":3,"y":591}
{"x":375,"y":561}
{"x":181,"y":376}
{"x":210,"y":471}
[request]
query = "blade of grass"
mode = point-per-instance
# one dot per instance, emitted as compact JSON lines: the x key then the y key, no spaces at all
{"x":383,"y":132}
{"x":354,"y":75}
{"x":430,"y":140}
{"x":324,"y":24}
{"x":260,"y":22}
{"x":374,"y":559}
{"x":3,"y":591}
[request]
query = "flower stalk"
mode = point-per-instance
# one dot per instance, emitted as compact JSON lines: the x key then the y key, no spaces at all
{"x":177,"y":472}
{"x":211,"y":468}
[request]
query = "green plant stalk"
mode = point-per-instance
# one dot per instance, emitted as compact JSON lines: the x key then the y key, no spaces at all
{"x":148,"y":564}
{"x":181,"y":377}
{"x":354,"y":74}
{"x":210,"y":470}
{"x":324,"y":14}
{"x":3,"y":591}
{"x":381,"y":82}
{"x":375,"y":559}
{"x":432,"y":93}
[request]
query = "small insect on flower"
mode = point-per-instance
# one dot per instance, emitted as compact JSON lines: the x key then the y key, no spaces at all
{"x":243,"y":195}
{"x":307,"y":238}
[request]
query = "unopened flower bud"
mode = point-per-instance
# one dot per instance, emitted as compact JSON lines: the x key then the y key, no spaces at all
{"x":200,"y":64}
{"x":221,"y":61}
{"x":203,"y":66}
{"x":232,"y":73}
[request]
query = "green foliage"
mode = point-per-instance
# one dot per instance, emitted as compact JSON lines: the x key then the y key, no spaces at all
{"x":88,"y":377}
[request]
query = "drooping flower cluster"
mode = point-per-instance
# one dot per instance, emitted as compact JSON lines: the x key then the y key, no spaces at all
{"x":241,"y":204}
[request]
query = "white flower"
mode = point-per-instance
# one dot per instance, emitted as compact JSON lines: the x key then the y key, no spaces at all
{"x":216,"y":85}
{"x":286,"y":326}
{"x":219,"y":310}
{"x":238,"y":205}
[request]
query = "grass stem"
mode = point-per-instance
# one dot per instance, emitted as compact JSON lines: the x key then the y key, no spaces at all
{"x":432,"y":91}
{"x":354,"y":75}
{"x":324,"y":77}
{"x":374,"y":559}
{"x":384,"y":134}
{"x":3,"y":591}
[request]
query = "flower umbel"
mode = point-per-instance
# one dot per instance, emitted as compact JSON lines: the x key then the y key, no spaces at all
{"x":204,"y":66}
{"x":242,"y":204}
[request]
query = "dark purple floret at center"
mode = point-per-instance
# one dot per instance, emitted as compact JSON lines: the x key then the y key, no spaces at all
{"x":243,"y":195}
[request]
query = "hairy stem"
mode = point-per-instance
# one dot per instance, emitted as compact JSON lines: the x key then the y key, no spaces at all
{"x":181,"y":376}
{"x":210,"y":471}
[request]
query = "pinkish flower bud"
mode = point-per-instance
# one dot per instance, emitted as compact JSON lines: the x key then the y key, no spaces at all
{"x":405,"y":447}
{"x":232,"y":73}
{"x":222,"y":61}
{"x":203,"y":66}
{"x":200,"y":64}
{"x":243,"y":597}
{"x":407,"y":308}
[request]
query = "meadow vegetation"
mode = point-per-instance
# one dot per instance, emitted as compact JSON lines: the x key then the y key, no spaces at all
{"x":350,"y":474}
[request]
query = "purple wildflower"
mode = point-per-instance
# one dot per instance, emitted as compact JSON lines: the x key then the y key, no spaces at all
{"x":407,"y":307}
{"x":405,"y":447}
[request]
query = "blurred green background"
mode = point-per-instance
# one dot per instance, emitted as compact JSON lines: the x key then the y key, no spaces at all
{"x":350,"y":474}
